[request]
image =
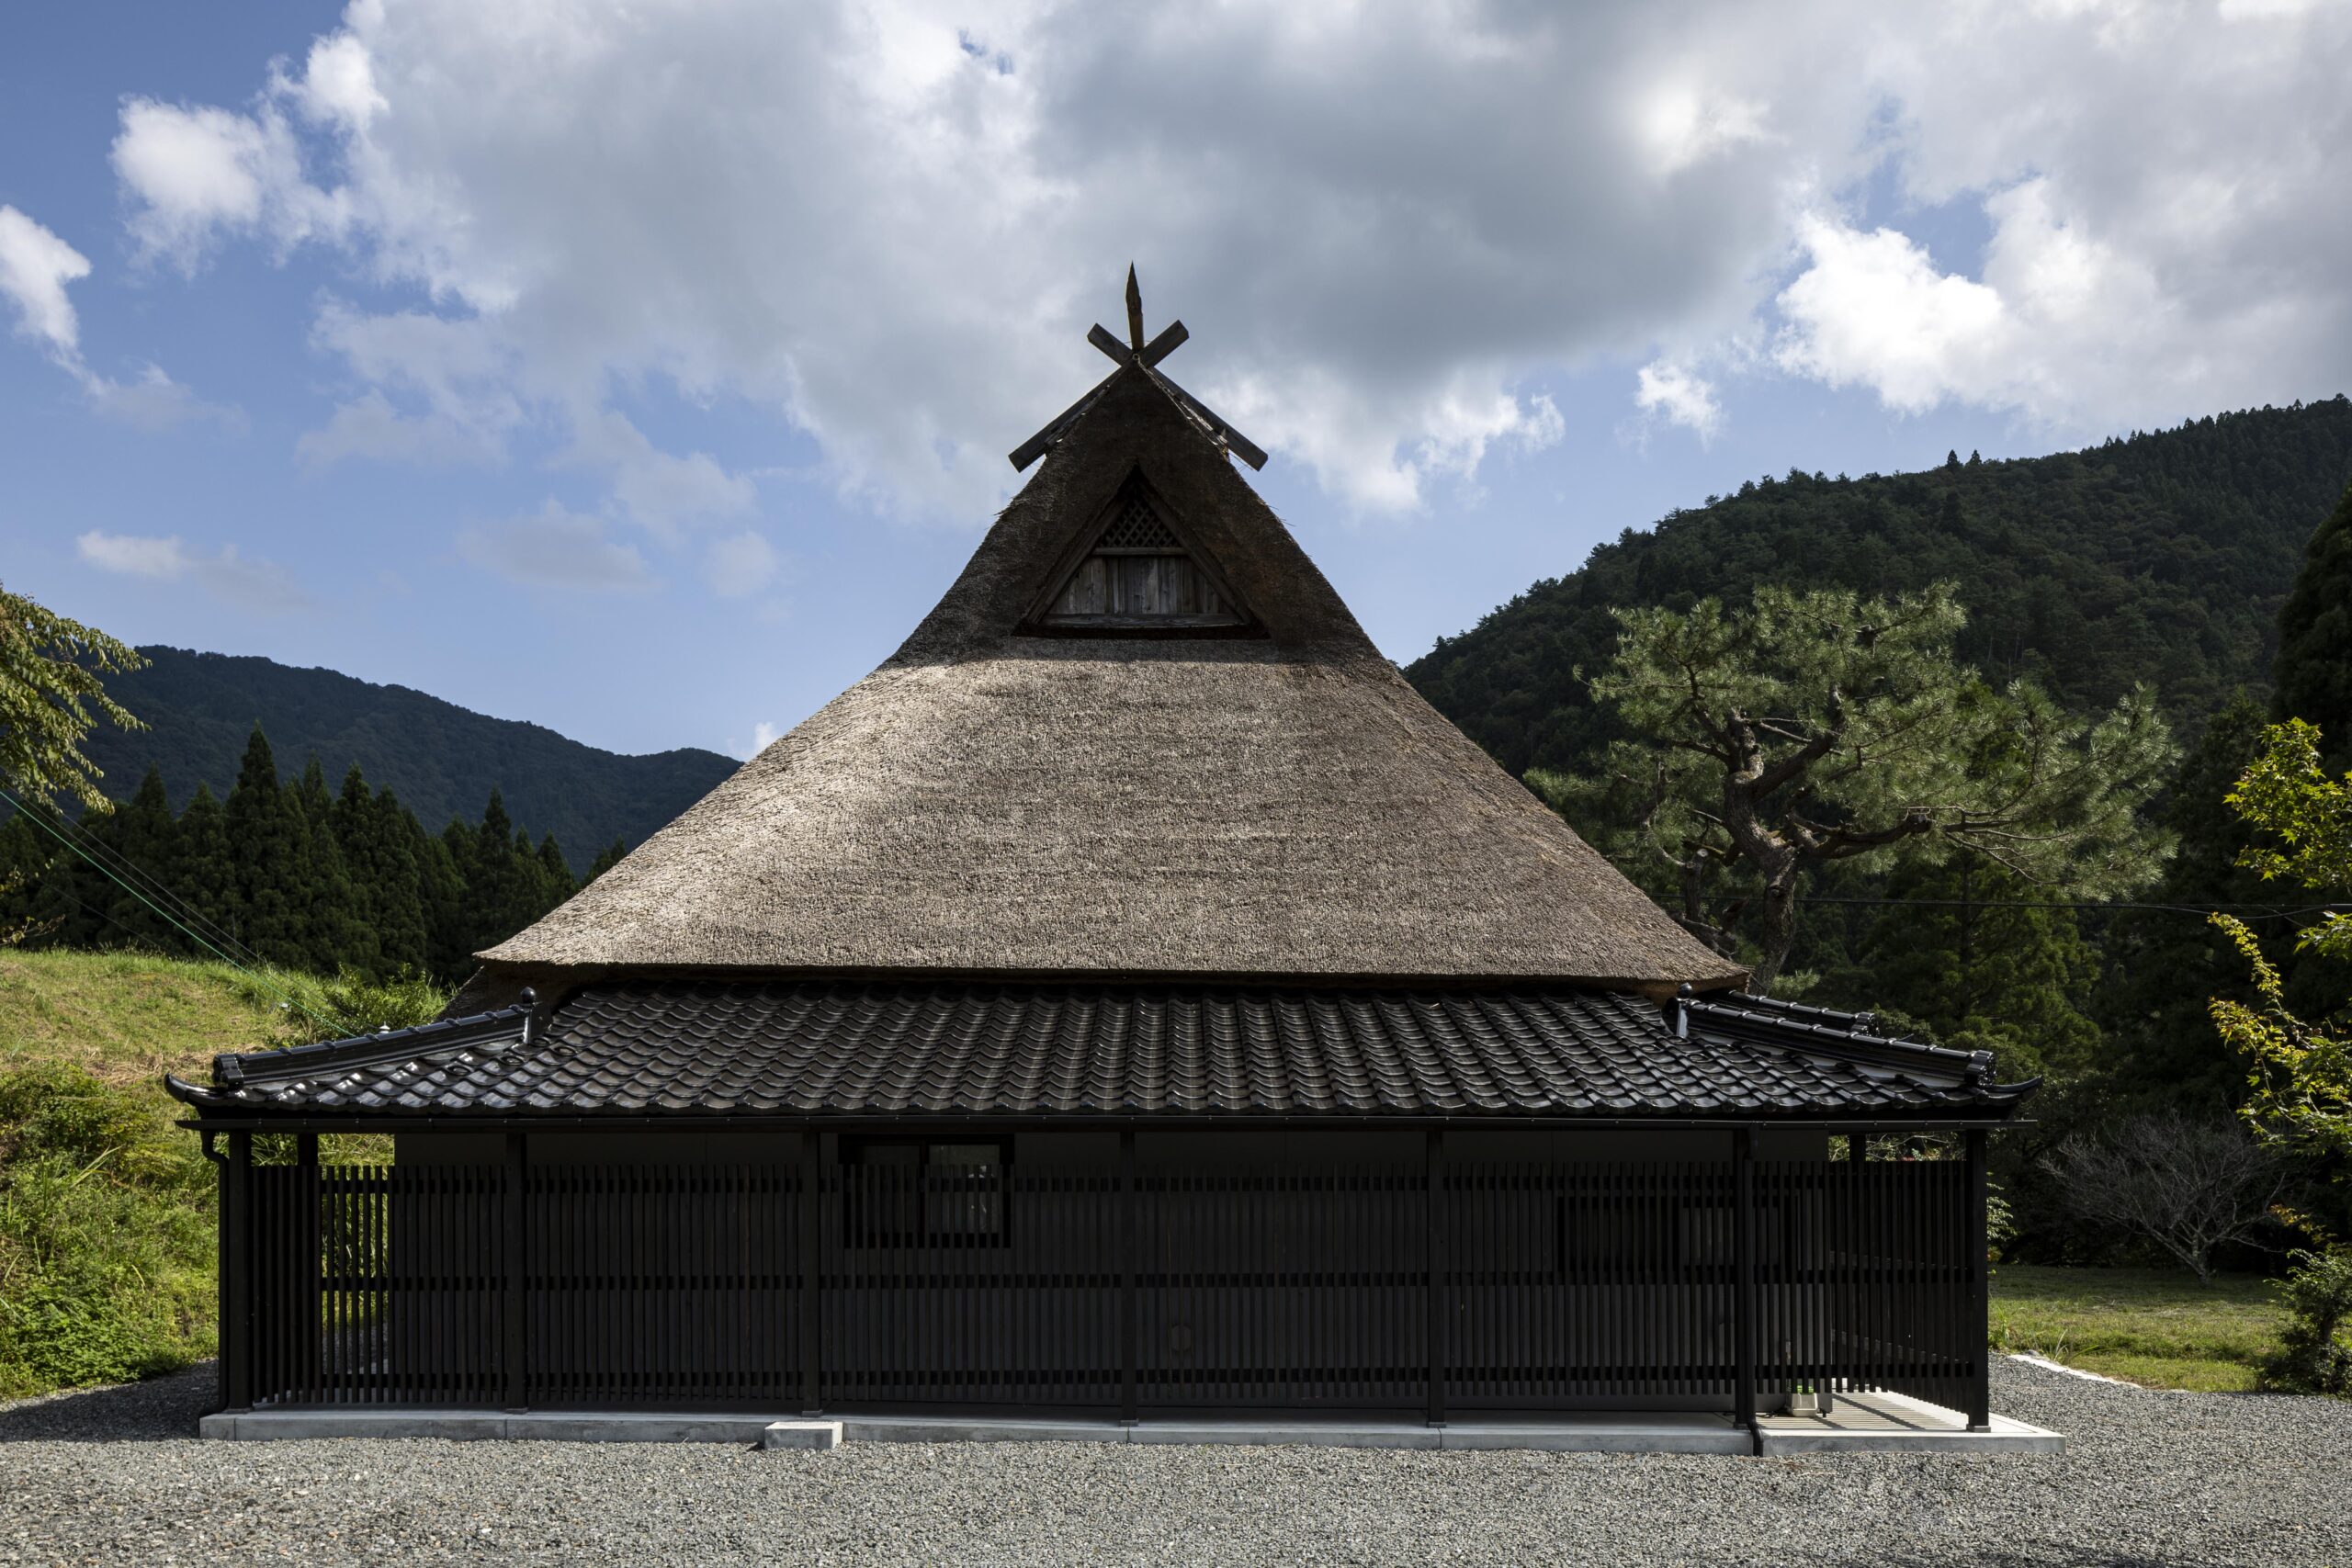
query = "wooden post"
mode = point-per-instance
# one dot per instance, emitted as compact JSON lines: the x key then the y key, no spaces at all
{"x":518,"y":1278}
{"x":1129,"y":1237}
{"x":1433,"y":1226}
{"x":1743,"y":1147}
{"x":1980,"y":1309}
{"x":237,"y":1274}
{"x":310,"y":1267}
{"x":813,"y":1246}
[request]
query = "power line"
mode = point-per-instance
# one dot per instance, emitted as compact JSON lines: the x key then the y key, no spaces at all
{"x":340,"y":1024}
{"x":155,"y":885}
{"x":2259,"y":911}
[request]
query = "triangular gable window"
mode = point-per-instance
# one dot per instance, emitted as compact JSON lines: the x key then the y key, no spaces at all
{"x":1139,"y":574}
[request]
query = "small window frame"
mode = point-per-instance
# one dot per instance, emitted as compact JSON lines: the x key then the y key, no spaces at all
{"x":1038,"y":620}
{"x":861,"y":1231}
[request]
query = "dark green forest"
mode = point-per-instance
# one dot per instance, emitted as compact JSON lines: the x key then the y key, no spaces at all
{"x":2161,"y":557}
{"x":440,"y":759}
{"x":2164,"y":558}
{"x":283,"y":871}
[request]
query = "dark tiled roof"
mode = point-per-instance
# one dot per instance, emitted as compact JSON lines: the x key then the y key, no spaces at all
{"x":849,"y":1048}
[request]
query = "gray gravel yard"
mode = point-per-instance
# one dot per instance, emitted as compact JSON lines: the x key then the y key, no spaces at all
{"x":115,"y":1476}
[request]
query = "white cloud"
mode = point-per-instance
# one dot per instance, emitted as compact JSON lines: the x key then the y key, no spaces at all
{"x":35,"y":268}
{"x":251,"y":584}
{"x":132,"y":555}
{"x":369,"y":427}
{"x":1385,"y":226}
{"x":554,"y":548}
{"x":153,"y":402}
{"x":1679,"y":395}
{"x":763,"y":735}
{"x":741,"y":564}
{"x":661,"y":491}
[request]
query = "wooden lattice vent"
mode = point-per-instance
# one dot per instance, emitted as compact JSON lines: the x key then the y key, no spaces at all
{"x":1139,"y":574}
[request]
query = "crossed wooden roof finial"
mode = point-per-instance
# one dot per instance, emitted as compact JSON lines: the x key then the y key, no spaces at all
{"x":1144,"y":356}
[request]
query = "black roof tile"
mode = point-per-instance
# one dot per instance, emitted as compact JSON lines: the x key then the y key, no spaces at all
{"x":849,"y":1048}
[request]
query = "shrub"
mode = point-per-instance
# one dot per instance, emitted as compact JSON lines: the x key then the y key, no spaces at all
{"x":106,"y":1234}
{"x":2315,"y":1354}
{"x":2189,"y":1186}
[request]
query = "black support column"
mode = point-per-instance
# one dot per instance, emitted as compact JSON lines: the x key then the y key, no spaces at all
{"x":237,"y":1274}
{"x":1441,"y":1292}
{"x":514,"y":1308}
{"x":310,"y":1268}
{"x":1980,"y":1371}
{"x":1743,"y":1150}
{"x":1129,"y":1240}
{"x":812,"y":1272}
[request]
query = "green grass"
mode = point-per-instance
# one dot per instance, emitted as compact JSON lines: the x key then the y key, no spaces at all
{"x":106,"y":1208}
{"x":107,"y":1228}
{"x":2146,"y":1325}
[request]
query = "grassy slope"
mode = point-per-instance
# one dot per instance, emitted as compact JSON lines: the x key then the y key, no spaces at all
{"x":127,"y":1018}
{"x":106,"y":1209}
{"x":2141,"y":1325}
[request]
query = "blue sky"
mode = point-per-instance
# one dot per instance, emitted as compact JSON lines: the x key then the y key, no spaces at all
{"x":646,"y":372}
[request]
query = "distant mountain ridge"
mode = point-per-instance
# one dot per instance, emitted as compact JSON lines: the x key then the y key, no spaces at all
{"x":441,"y":759}
{"x":2161,"y":557}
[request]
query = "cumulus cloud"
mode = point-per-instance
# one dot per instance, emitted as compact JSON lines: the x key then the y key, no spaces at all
{"x":35,"y":268}
{"x":1677,"y":395}
{"x":1384,"y":227}
{"x":246,"y":582}
{"x":556,"y":547}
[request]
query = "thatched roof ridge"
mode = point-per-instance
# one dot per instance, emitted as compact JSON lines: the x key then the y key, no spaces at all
{"x":987,"y":803}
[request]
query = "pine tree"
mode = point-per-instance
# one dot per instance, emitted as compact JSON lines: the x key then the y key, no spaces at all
{"x":270,"y":851}
{"x":203,"y":870}
{"x":2313,"y":674}
{"x":333,"y":933}
{"x":2164,"y":964}
{"x":555,"y":872}
{"x":610,"y":856}
{"x":441,"y":891}
{"x":1986,"y":963}
{"x":146,"y":837}
{"x":377,"y":847}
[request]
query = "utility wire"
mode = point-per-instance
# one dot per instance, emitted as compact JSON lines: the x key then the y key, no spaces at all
{"x":155,"y":887}
{"x":342,"y":1025}
{"x":2259,"y":911}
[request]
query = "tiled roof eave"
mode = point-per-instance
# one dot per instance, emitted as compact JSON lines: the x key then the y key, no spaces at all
{"x":1070,"y":1054}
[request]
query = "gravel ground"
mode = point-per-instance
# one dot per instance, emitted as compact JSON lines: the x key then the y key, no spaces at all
{"x":115,"y":1476}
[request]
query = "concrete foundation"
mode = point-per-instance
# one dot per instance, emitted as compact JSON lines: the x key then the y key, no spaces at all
{"x":1871,"y":1422}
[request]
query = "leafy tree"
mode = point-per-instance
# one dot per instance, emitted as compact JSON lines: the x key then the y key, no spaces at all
{"x":50,"y":697}
{"x":1986,"y":961}
{"x":1820,"y":727}
{"x":2162,"y":964}
{"x":2302,"y":1076}
{"x":2314,"y":671}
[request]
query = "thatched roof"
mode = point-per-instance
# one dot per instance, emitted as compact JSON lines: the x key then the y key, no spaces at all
{"x":1280,"y":806}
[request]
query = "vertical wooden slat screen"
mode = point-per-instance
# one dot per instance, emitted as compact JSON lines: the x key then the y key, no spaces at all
{"x":1564,"y":1285}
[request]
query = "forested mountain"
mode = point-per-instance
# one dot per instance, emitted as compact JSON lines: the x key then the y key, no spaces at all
{"x":441,"y":759}
{"x":2159,"y":557}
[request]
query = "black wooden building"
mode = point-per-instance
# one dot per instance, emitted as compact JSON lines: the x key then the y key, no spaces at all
{"x":1130,"y":997}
